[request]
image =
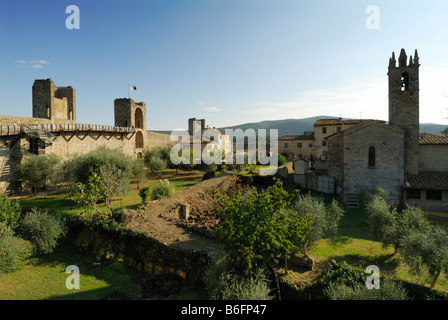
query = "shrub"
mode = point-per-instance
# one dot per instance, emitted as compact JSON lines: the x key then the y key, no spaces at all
{"x":223,"y":283}
{"x":161,"y":190}
{"x":388,"y":290}
{"x":281,"y":160}
{"x":9,"y":212}
{"x":12,"y":250}
{"x":208,"y":175}
{"x":344,"y":274}
{"x":145,"y":195}
{"x":43,"y":229}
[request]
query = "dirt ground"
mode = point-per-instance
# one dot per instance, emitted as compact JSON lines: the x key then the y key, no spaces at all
{"x":161,"y":220}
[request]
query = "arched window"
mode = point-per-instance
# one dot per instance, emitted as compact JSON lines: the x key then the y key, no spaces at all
{"x":139,"y":118}
{"x":405,"y":81}
{"x":372,"y":157}
{"x":139,"y":139}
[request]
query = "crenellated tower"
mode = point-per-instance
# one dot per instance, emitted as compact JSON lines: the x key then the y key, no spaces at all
{"x":404,"y":105}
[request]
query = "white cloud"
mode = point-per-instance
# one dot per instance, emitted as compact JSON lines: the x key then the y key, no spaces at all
{"x":212,"y":109}
{"x":33,"y":64}
{"x":39,"y":62}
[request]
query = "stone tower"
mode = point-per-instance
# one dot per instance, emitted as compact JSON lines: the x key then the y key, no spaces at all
{"x":54,"y":103}
{"x":133,"y":115}
{"x":404,"y":105}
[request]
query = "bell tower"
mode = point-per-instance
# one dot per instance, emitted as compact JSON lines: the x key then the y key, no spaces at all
{"x":404,"y":105}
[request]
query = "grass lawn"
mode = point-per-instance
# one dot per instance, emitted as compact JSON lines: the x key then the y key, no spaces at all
{"x":354,"y":244}
{"x":43,"y":277}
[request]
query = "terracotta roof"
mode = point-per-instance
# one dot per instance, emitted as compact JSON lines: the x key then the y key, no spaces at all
{"x":429,"y":138}
{"x":325,"y":122}
{"x":298,"y":137}
{"x":428,"y":180}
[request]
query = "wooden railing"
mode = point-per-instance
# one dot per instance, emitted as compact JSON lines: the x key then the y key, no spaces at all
{"x":17,"y":129}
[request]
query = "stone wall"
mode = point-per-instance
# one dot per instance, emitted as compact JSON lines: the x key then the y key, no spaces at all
{"x":65,"y":148}
{"x":388,"y":172}
{"x":146,"y":253}
{"x":433,"y":157}
{"x":336,"y":158}
{"x":155,"y":139}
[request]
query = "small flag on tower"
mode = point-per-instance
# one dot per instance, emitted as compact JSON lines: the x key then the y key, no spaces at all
{"x":133,"y":88}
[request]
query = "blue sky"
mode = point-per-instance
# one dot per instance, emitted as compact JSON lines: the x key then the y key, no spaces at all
{"x":228,"y":61}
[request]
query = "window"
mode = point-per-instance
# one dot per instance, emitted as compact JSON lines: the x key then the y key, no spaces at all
{"x":404,"y":81}
{"x":324,"y":142}
{"x":434,"y":195}
{"x":286,"y":145}
{"x":324,"y":130}
{"x":372,"y":157}
{"x":413,"y":194}
{"x":310,"y":145}
{"x":338,"y":129}
{"x":299,"y":145}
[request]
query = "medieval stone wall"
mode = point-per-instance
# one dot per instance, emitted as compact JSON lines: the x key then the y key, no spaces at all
{"x":155,"y":139}
{"x":388,"y":172}
{"x":81,"y":144}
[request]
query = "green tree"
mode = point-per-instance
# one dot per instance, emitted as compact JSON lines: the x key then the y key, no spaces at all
{"x":37,"y":171}
{"x":383,"y":221}
{"x":256,"y":229}
{"x":389,"y":226}
{"x":9,"y":212}
{"x":325,"y":218}
{"x":115,"y":183}
{"x":156,"y":165}
{"x":80,"y":168}
{"x":88,"y":195}
{"x":138,"y":171}
{"x":426,"y":248}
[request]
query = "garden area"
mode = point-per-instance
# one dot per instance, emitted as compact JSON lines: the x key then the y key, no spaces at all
{"x":276,"y":225}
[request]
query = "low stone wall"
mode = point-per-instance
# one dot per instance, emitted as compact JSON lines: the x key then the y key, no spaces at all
{"x":144,"y":252}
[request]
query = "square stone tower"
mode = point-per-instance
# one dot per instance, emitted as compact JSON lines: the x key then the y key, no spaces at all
{"x":54,"y":103}
{"x":404,"y":105}
{"x":133,"y":115}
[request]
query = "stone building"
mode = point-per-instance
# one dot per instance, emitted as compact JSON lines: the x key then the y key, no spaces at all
{"x":210,"y":139}
{"x":297,"y":146}
{"x":53,"y":130}
{"x":412,"y":167}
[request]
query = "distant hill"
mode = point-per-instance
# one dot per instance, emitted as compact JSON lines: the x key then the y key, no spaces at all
{"x":298,"y":126}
